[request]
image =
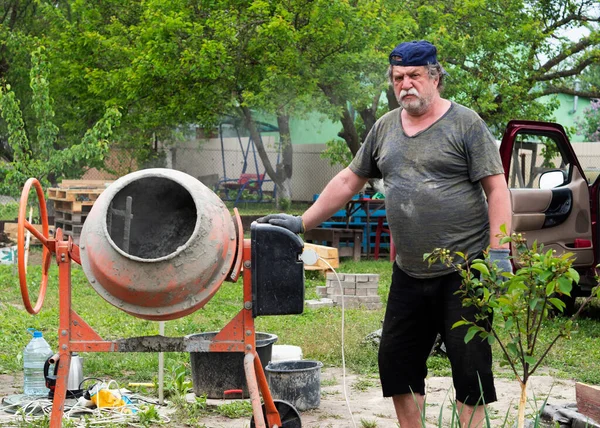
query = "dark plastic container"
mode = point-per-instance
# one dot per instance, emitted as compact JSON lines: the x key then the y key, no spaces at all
{"x":297,"y":382}
{"x":213,"y":373}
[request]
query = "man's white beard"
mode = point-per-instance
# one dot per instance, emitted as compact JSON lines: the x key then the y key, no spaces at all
{"x":416,"y":107}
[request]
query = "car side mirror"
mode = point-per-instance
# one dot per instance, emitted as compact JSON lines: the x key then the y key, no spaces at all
{"x":552,"y":179}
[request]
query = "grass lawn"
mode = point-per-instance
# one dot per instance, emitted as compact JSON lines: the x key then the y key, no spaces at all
{"x":316,"y":331}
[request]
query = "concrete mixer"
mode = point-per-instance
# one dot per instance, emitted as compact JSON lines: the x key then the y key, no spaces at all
{"x":158,"y":244}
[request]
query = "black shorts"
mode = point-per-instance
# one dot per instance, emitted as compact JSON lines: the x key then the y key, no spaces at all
{"x":418,"y":309}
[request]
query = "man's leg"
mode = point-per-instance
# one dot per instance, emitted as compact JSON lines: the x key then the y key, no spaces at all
{"x":470,"y":416}
{"x":471,"y":362}
{"x":409,"y":408}
{"x":409,"y":331}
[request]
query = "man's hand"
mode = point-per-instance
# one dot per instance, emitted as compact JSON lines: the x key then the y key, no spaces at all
{"x":499,"y":257}
{"x":292,"y":223}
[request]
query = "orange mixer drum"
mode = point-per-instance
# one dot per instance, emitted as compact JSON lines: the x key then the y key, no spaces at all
{"x":158,"y":244}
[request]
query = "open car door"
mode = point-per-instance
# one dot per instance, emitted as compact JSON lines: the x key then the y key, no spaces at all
{"x":549,"y":190}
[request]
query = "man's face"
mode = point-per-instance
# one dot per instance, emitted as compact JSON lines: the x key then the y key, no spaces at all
{"x":414,"y":88}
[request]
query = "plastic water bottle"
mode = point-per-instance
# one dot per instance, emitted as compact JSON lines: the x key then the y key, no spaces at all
{"x":35,"y":355}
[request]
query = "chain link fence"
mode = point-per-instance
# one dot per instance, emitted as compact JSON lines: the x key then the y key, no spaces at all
{"x":225,"y":163}
{"x":220,"y":163}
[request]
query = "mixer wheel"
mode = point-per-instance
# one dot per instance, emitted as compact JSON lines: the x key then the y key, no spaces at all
{"x":290,"y":418}
{"x":43,"y":237}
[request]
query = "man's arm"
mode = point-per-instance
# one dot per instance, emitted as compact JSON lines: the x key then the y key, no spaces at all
{"x":499,"y":207}
{"x":338,"y":191}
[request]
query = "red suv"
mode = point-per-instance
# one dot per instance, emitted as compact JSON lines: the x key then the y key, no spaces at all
{"x":552,"y":200}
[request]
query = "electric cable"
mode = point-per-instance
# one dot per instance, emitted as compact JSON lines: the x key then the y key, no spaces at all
{"x":342,"y":335}
{"x":31,"y":408}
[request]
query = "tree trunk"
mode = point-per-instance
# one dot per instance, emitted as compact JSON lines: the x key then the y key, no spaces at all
{"x":277,"y":177}
{"x":522,"y":405}
{"x":391,"y":98}
{"x":284,"y":167}
{"x":349,"y":133}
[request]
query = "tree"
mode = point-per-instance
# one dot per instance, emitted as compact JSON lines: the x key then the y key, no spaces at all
{"x":171,"y":64}
{"x":589,"y":124}
{"x":177,"y":63}
{"x":502,"y":56}
{"x":519,"y":303}
{"x":42,"y":156}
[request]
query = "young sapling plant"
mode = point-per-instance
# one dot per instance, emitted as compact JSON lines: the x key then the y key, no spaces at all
{"x":518,"y":302}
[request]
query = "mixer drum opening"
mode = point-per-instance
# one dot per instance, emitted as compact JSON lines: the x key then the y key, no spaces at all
{"x":151,"y":218}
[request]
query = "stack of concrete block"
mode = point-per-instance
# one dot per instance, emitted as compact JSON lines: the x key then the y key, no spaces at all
{"x":359,"y":290}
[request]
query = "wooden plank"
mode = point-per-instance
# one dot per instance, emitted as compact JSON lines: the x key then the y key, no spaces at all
{"x":330,"y":254}
{"x":74,"y":206}
{"x":85,"y":184}
{"x":588,"y":400}
{"x":58,"y":194}
{"x":10,"y":229}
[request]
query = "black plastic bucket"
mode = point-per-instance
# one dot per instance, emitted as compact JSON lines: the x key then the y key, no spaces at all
{"x":213,"y":373}
{"x":297,"y":382}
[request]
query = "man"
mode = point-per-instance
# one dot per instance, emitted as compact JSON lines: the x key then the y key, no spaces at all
{"x":439,"y":164}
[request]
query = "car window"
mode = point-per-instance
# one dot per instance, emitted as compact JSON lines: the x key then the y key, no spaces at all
{"x":532,"y":156}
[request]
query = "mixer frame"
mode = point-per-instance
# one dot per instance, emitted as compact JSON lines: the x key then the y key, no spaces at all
{"x":76,"y":335}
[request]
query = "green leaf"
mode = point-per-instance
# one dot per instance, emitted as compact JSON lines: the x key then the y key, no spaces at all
{"x":529,"y":359}
{"x":481,"y":267}
{"x":564,"y":285}
{"x":574,"y":274}
{"x":557,"y":303}
{"x":473,"y":330}
{"x":545,"y":275}
{"x":459,"y":323}
{"x":512,"y":348}
{"x":550,"y":288}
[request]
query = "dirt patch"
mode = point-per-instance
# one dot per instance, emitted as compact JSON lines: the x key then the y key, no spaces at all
{"x":366,"y":402}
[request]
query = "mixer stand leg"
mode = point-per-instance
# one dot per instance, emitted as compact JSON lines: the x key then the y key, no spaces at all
{"x":60,"y":391}
{"x":253,"y":389}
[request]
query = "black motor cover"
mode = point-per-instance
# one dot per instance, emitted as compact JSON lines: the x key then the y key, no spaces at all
{"x":277,"y":271}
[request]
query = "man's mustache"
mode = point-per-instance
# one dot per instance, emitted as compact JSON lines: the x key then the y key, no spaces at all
{"x":411,"y":91}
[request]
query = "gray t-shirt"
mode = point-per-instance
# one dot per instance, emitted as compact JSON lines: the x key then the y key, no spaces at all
{"x":432,"y":192}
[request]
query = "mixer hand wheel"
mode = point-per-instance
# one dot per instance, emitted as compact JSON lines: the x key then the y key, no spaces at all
{"x":42,"y":237}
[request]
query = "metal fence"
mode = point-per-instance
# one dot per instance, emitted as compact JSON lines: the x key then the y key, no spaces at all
{"x":213,"y":161}
{"x":216,"y":162}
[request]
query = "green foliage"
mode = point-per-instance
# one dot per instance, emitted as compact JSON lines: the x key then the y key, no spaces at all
{"x":589,"y":124}
{"x":518,"y":303}
{"x":149,"y":416}
{"x":177,"y":386}
{"x":365,"y":423}
{"x":337,"y":152}
{"x":285,"y":204}
{"x":42,"y":156}
{"x":235,"y":409}
{"x":9,"y":212}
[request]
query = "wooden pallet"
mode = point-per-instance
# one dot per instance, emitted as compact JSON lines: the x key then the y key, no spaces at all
{"x":71,"y":195}
{"x":10,"y":229}
{"x":73,"y":206}
{"x":85,"y":184}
